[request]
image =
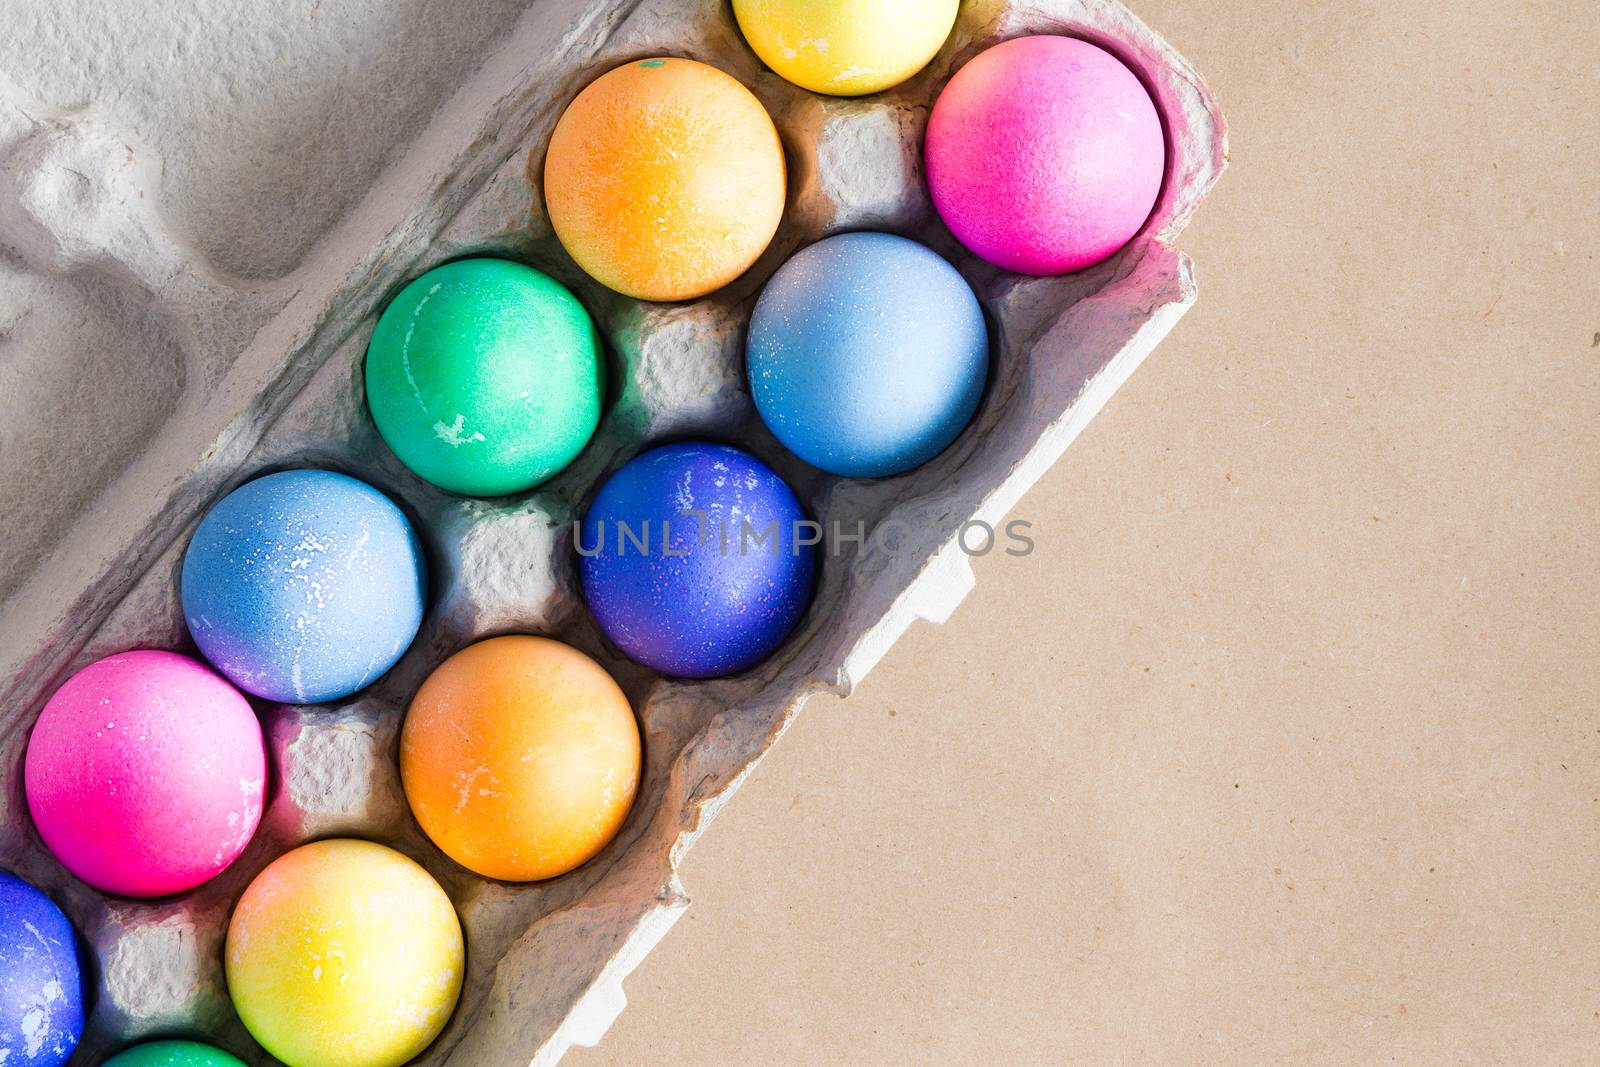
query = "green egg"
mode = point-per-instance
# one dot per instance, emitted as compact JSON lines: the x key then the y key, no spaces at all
{"x":485,"y":377}
{"x":174,"y":1054}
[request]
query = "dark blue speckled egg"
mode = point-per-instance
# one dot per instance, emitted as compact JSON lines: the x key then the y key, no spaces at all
{"x":867,"y":355}
{"x":304,"y":586}
{"x":697,"y":560}
{"x":41,"y":991}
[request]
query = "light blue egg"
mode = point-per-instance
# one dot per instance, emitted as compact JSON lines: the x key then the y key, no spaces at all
{"x":304,"y":586}
{"x":867,"y":355}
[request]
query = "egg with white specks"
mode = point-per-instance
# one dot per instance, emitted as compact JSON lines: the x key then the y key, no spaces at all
{"x":520,"y":758}
{"x":304,"y":586}
{"x":146,"y":774}
{"x":485,"y":377}
{"x":697,"y":559}
{"x":344,"y":953}
{"x":41,"y":986}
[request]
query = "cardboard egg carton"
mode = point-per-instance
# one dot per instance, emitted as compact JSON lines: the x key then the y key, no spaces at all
{"x":269,"y":376}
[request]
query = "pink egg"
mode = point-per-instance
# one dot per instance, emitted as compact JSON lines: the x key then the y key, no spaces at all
{"x":1045,"y":155}
{"x":146,"y":774}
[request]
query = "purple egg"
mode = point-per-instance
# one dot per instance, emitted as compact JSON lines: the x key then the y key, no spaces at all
{"x":697,"y":560}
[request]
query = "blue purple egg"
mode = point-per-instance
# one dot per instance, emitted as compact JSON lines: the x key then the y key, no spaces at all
{"x":41,"y":988}
{"x":304,"y":586}
{"x":697,"y":560}
{"x":868,"y":354}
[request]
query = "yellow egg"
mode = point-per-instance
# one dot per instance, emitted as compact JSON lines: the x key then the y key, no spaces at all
{"x":344,"y":953}
{"x":665,"y":179}
{"x":846,"y":47}
{"x":520,"y":757}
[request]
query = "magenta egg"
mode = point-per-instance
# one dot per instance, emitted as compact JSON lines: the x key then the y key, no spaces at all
{"x":146,"y":774}
{"x":1045,"y":155}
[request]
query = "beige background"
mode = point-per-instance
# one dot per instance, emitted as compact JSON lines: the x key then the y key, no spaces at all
{"x":1285,"y":746}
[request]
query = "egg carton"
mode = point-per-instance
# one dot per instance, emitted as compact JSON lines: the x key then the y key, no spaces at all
{"x":272,"y":380}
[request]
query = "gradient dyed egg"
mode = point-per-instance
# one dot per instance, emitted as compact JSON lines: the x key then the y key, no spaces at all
{"x":303,"y":586}
{"x":1045,"y":155}
{"x":344,"y":953}
{"x":867,"y":354}
{"x":146,"y":774}
{"x":664,"y":179}
{"x":520,"y":758}
{"x":41,"y":987}
{"x":697,"y":560}
{"x":485,"y":377}
{"x":174,"y":1054}
{"x":846,"y":47}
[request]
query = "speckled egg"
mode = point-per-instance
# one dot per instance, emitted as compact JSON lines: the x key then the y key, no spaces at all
{"x":303,"y":586}
{"x":146,"y":774}
{"x":41,"y":987}
{"x":485,"y":377}
{"x":664,"y":179}
{"x":344,"y":953}
{"x":174,"y":1054}
{"x":867,"y":354}
{"x":697,"y":560}
{"x":1045,"y":155}
{"x":846,"y":47}
{"x":520,"y":757}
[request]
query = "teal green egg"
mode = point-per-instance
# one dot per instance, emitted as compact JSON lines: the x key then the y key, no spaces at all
{"x":485,"y":377}
{"x":174,"y":1054}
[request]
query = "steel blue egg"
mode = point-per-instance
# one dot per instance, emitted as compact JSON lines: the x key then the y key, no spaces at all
{"x":304,"y":586}
{"x":697,"y":560}
{"x":867,"y":354}
{"x":41,"y":987}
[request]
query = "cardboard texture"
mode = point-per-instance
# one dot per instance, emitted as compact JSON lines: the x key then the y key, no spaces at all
{"x":1283,"y":747}
{"x":271,"y":378}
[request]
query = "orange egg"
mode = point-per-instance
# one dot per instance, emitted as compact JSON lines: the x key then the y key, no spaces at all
{"x":520,"y":757}
{"x":665,"y":179}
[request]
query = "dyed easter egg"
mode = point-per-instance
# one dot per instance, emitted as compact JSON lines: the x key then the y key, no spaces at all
{"x":846,"y":47}
{"x":146,"y":774}
{"x":41,"y":987}
{"x":344,"y":953}
{"x":520,"y":757}
{"x":303,"y":586}
{"x":665,"y":179}
{"x":867,"y":354}
{"x":174,"y":1054}
{"x":485,"y":377}
{"x":1045,"y":155}
{"x":697,"y":560}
